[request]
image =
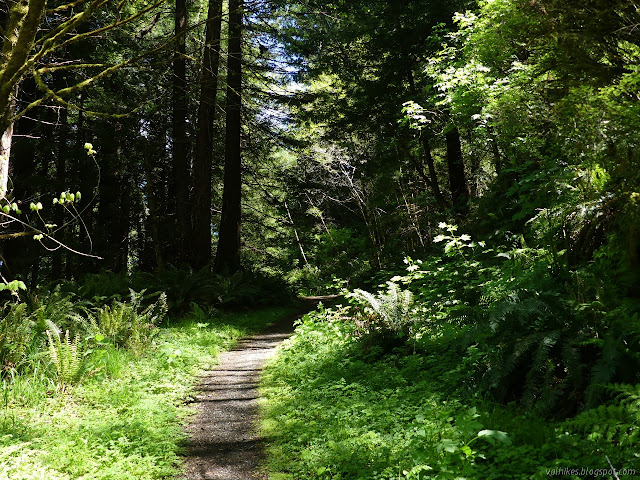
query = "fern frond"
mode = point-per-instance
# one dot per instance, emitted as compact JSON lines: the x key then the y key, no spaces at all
{"x":391,"y":309}
{"x":66,"y":356}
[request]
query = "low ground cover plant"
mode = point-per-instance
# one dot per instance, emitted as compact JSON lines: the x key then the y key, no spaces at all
{"x":337,"y":409}
{"x":484,"y":361}
{"x":88,"y":402}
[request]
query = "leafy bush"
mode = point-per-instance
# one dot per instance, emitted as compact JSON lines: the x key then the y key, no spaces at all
{"x":527,"y":330}
{"x":129,"y":324}
{"x":67,"y":357}
{"x":387,"y":313}
{"x":181,"y":287}
{"x":534,"y":352}
{"x":333,"y":413}
{"x":64,"y":309}
{"x":104,"y":287}
{"x":16,"y":335}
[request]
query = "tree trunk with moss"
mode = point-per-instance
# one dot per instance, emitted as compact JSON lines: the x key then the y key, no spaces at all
{"x":179,"y":109}
{"x":23,"y":20}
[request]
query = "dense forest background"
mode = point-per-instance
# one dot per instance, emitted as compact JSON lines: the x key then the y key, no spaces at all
{"x":363,"y":127}
{"x":232,"y":152}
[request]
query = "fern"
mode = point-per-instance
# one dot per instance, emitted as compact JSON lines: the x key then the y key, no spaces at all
{"x":392,"y":310}
{"x":143,"y":325}
{"x":616,"y":423}
{"x":129,"y":325}
{"x":67,"y":311}
{"x":16,"y":334}
{"x":66,"y":355}
{"x":536,"y":359}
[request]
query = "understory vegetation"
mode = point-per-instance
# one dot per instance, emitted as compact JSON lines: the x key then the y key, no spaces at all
{"x":99,"y":389}
{"x":483,"y":361}
{"x":339,"y":406}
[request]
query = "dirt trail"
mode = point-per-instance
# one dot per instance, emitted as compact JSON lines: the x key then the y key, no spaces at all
{"x":223,"y":440}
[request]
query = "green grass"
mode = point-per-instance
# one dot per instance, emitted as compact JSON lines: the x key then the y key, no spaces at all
{"x":124,"y":421}
{"x":338,"y":408}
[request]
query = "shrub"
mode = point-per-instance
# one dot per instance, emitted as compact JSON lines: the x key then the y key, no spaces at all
{"x":388,"y":319}
{"x":129,"y":325}
{"x":16,"y":335}
{"x":66,"y":355}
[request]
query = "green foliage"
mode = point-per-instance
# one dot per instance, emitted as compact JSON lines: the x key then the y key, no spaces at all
{"x":67,"y":357}
{"x":14,"y":286}
{"x":124,"y":420}
{"x":334,"y":413}
{"x":387,"y":313}
{"x":536,"y":357}
{"x":16,"y":326}
{"x":66,"y":310}
{"x":614,"y":423}
{"x":181,"y":287}
{"x":129,"y":324}
{"x":102,"y":287}
{"x":526,"y":330}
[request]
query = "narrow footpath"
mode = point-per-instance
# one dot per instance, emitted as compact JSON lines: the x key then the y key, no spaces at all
{"x":224,"y":442}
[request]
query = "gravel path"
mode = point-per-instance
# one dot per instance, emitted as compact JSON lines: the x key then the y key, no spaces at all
{"x":223,"y":440}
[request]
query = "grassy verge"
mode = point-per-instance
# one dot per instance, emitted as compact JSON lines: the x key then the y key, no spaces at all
{"x":123,"y":421}
{"x":337,"y":408}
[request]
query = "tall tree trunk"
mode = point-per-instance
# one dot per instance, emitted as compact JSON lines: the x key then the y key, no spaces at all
{"x":122,"y":225}
{"x":108,"y":210}
{"x":433,"y":176}
{"x":204,"y":145}
{"x":432,"y":180}
{"x":152,"y":204}
{"x":28,"y":170}
{"x":457,"y":179}
{"x":22,"y":22}
{"x":5,"y":153}
{"x":179,"y":131}
{"x":228,"y":253}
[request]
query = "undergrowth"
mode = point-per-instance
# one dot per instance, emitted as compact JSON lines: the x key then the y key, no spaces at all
{"x":123,"y":421}
{"x":338,"y":409}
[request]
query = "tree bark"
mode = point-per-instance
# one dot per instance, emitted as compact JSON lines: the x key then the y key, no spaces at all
{"x":179,"y":133}
{"x":20,"y":32}
{"x":204,"y":145}
{"x":122,"y":225}
{"x":152,"y":203}
{"x":5,"y":153}
{"x":457,"y":178}
{"x":228,"y":252}
{"x":433,"y":176}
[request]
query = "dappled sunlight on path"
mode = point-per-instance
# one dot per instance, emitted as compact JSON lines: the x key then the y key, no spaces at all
{"x":224,"y":443}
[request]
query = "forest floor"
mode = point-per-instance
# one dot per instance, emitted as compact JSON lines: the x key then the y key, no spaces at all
{"x":223,"y":438}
